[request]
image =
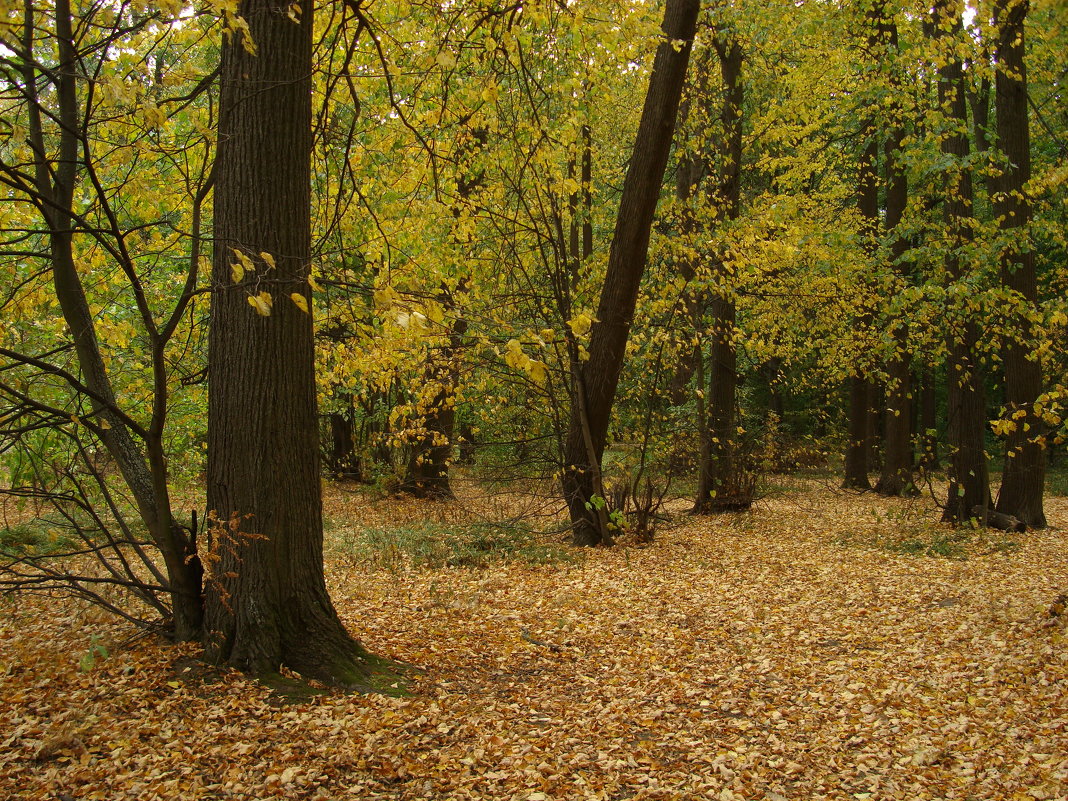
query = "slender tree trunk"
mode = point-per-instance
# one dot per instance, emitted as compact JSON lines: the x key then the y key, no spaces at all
{"x":1023,"y":479}
{"x":718,"y":457}
{"x":143,"y":469}
{"x":898,"y":456}
{"x":599,"y":376}
{"x":927,"y":420}
{"x":969,"y":482}
{"x":266,"y":599}
{"x":861,"y":392}
{"x":427,"y":474}
{"x":858,"y":448}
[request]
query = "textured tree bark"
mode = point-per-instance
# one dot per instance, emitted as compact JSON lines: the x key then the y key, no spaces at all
{"x":1023,"y":478}
{"x":599,"y":376}
{"x":969,"y":482}
{"x":266,"y":600}
{"x":718,"y":457}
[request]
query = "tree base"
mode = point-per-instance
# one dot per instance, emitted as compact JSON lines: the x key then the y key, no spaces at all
{"x":714,"y":506}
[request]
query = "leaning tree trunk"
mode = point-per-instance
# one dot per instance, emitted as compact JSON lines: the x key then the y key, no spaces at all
{"x":266,"y":601}
{"x":1023,"y":479}
{"x":598,"y":377}
{"x":969,"y":482}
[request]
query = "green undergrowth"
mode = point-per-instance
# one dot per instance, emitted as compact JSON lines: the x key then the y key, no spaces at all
{"x":939,"y":541}
{"x":34,"y":537}
{"x":441,"y":545}
{"x":1057,"y":481}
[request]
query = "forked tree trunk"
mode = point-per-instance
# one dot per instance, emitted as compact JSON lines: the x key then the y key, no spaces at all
{"x":969,"y":482}
{"x":598,"y":377}
{"x":266,"y":599}
{"x":1023,"y":479}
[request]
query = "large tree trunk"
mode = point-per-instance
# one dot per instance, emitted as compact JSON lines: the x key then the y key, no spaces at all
{"x":719,"y":463}
{"x":266,"y":599}
{"x":969,"y":483}
{"x":1023,"y":479}
{"x":598,"y":377}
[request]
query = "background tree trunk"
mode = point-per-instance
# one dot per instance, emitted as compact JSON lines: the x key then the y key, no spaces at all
{"x":266,"y":599}
{"x":861,"y":392}
{"x":718,"y":452}
{"x":599,"y":376}
{"x":1023,"y":479}
{"x":896,"y":476}
{"x":969,"y":482}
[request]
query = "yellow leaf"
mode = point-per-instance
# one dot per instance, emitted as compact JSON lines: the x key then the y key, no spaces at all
{"x":580,"y":324}
{"x":242,"y":266}
{"x":299,"y":301}
{"x":262,"y":303}
{"x":267,"y":258}
{"x":314,"y":284}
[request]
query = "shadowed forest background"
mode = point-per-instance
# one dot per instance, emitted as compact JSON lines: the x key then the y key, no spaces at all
{"x":687,"y":374}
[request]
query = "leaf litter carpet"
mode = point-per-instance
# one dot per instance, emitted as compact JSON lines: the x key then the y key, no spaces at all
{"x":780,"y":654}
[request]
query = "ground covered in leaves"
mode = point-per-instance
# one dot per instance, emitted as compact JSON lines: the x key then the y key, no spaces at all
{"x":825,"y":645}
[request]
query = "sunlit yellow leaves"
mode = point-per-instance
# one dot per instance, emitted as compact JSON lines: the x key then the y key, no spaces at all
{"x":262,"y":303}
{"x":581,"y":323}
{"x":299,"y":301}
{"x":239,"y":268}
{"x":517,"y":358}
{"x":268,"y":259}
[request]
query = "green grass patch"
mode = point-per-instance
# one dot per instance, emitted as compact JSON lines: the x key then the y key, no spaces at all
{"x":949,"y":543}
{"x":1057,"y":481}
{"x":33,"y":538}
{"x":439,"y":545}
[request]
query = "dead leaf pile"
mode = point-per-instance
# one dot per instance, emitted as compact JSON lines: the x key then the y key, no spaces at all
{"x":770,"y":655}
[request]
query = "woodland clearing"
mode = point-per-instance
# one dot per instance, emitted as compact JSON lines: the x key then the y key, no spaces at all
{"x":826,"y":645}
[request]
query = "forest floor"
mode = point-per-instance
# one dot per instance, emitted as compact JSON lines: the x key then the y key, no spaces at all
{"x":826,"y":645}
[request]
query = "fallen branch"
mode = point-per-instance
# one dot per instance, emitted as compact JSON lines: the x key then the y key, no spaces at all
{"x":998,"y":520}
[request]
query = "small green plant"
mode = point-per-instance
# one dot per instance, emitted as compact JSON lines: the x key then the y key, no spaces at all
{"x":93,"y":653}
{"x":949,"y":545}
